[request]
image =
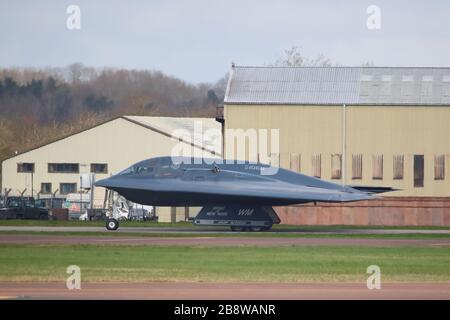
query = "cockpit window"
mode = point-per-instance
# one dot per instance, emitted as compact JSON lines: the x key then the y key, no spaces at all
{"x":137,"y":169}
{"x":126,"y":171}
{"x":143,"y":170}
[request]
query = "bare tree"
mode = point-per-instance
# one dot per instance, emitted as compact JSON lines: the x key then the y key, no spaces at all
{"x":294,"y":57}
{"x":367,"y":63}
{"x":38,"y":105}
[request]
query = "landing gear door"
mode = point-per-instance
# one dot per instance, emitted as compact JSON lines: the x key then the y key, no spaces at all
{"x":233,"y":215}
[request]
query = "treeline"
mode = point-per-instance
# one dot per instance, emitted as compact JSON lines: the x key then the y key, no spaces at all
{"x":39,"y":105}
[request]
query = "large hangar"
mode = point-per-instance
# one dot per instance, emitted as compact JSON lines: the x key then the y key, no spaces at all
{"x":54,"y":169}
{"x":374,"y":126}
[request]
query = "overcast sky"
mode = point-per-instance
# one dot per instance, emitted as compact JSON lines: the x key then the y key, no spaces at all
{"x":196,"y":40}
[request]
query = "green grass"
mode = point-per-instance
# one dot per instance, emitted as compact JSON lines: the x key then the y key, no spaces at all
{"x":222,"y":264}
{"x":162,"y":234}
{"x":150,"y":224}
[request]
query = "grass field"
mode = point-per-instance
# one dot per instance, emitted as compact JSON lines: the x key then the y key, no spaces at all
{"x":152,"y":224}
{"x":162,"y":234}
{"x":222,"y":264}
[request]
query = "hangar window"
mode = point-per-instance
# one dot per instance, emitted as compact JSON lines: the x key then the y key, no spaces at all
{"x":99,"y":168}
{"x":25,"y":167}
{"x":336,"y":166}
{"x":357,"y":166}
{"x":398,"y":167}
{"x":439,"y":167}
{"x":63,"y":168}
{"x":316,"y":165}
{"x":295,"y":163}
{"x":65,"y":188}
{"x":46,"y":188}
{"x":418,"y":170}
{"x":377,"y":166}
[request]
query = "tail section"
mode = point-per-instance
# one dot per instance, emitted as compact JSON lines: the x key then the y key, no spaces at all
{"x":373,"y":190}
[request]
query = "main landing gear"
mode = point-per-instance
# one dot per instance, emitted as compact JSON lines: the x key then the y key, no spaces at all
{"x":112,"y":224}
{"x":254,"y":229}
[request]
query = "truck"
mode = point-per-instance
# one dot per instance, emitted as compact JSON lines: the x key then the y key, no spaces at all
{"x":23,"y":208}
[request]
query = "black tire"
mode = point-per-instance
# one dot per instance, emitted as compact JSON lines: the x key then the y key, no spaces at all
{"x":112,"y":224}
{"x":260,"y":229}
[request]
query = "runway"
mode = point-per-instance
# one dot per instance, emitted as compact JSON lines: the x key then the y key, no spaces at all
{"x":226,"y":291}
{"x":222,"y":230}
{"x":217,"y":241}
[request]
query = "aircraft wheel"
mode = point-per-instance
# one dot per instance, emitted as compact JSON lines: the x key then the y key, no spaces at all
{"x":112,"y":224}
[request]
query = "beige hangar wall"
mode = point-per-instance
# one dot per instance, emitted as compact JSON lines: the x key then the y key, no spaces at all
{"x":119,"y":143}
{"x":371,"y":130}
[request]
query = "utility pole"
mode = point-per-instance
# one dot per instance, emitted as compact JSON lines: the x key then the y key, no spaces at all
{"x":92,"y":182}
{"x":32,"y":183}
{"x":81,"y":195}
{"x":53,"y":197}
{"x":344,"y":143}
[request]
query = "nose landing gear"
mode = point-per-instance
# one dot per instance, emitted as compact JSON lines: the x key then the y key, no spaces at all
{"x":112,"y":224}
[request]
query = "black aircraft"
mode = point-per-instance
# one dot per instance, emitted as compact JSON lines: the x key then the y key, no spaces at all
{"x":235,"y":194}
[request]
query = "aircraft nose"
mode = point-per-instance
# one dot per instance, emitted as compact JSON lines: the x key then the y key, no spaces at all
{"x":104,"y":183}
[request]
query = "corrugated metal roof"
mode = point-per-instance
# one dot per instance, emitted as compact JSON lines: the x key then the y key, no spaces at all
{"x":338,"y":85}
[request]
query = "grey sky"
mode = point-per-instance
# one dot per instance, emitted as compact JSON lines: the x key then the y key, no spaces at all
{"x":196,"y":40}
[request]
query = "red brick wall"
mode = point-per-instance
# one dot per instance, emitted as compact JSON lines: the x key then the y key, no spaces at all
{"x":388,"y":211}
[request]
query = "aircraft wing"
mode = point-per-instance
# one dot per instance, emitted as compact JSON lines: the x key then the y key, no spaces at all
{"x":269,"y":192}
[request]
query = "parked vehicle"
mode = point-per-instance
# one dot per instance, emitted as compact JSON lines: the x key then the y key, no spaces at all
{"x":23,"y":208}
{"x":140,"y":212}
{"x":73,"y":201}
{"x":93,"y":215}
